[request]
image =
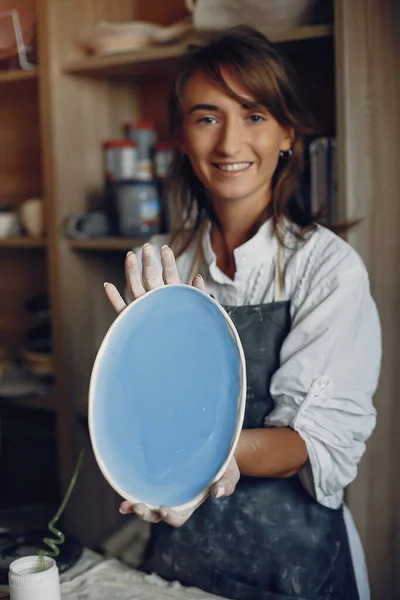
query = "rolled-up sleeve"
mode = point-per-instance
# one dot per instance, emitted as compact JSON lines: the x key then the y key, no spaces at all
{"x":328,"y":374}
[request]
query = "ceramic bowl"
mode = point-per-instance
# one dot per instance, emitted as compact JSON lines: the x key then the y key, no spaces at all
{"x":167,"y":397}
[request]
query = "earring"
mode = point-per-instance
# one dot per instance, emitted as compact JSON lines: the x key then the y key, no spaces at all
{"x":286,"y":154}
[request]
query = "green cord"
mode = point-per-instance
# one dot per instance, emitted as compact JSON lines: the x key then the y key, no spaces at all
{"x":60,"y":537}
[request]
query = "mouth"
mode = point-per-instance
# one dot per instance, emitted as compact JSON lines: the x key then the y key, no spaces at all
{"x":233,"y":167}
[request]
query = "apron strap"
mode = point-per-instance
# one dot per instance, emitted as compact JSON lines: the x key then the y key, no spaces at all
{"x":279,"y":293}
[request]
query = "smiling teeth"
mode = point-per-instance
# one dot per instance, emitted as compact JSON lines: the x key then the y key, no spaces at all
{"x":235,"y":166}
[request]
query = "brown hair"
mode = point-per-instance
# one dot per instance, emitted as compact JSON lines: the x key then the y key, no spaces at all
{"x":260,"y":68}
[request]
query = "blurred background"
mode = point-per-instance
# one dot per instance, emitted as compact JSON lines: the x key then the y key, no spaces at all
{"x":84,"y":150}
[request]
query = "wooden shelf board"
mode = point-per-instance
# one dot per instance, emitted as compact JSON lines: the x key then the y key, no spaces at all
{"x":22,"y":242}
{"x":310,"y":32}
{"x":156,"y":59}
{"x":11,"y":76}
{"x":107,"y":244}
{"x":129,"y":63}
{"x":37,"y":402}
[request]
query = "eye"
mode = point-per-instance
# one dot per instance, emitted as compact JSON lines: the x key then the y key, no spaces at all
{"x":255,"y":119}
{"x":207,"y":120}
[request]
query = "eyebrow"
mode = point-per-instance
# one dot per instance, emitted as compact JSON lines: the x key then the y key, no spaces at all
{"x":211,"y":107}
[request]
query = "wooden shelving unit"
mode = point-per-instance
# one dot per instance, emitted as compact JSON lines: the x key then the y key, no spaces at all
{"x":156,"y":60}
{"x":24,"y":274}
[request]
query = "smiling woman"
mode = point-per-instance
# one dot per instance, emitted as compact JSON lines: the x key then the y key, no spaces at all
{"x":300,"y":300}
{"x":233,"y":146}
{"x":240,"y":115}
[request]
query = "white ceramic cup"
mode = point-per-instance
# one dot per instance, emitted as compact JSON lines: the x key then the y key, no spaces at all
{"x":31,"y":213}
{"x":26,"y":582}
{"x":9,"y":224}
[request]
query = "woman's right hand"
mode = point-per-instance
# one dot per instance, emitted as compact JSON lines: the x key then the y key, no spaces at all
{"x":140,"y":283}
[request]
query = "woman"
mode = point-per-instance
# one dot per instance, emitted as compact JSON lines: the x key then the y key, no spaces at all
{"x":300,"y":299}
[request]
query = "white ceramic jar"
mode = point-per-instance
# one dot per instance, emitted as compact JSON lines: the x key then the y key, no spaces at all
{"x":27,"y":582}
{"x":269,"y":16}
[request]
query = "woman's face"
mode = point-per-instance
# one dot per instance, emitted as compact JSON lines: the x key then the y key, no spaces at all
{"x":233,"y":150}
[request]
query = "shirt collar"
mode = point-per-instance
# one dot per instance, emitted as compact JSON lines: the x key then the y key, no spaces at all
{"x":256,"y":252}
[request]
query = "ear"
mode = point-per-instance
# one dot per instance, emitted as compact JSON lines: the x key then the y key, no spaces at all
{"x":179,"y":141}
{"x":287,"y":139}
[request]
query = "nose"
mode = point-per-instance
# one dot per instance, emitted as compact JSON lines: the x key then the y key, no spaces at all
{"x":229,"y":141}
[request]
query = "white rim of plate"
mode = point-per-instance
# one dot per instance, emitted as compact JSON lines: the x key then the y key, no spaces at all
{"x":241,"y":398}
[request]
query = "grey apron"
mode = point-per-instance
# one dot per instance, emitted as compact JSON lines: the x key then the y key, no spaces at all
{"x":270,"y":540}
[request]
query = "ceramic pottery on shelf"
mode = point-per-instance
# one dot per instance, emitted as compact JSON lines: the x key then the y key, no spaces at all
{"x":167,"y":397}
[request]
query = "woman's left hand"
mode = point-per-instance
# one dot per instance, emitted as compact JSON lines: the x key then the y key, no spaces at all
{"x":176,"y":518}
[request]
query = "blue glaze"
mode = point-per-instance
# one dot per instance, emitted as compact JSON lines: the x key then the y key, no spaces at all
{"x":164,"y":396}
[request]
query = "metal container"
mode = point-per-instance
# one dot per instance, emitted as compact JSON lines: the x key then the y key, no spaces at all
{"x":138,"y":208}
{"x":120,"y":160}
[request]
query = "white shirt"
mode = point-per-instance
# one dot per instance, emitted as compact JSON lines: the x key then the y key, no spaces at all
{"x":329,"y":362}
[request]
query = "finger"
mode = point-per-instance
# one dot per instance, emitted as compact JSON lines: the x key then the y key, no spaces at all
{"x":175,"y":518}
{"x":169,"y":270}
{"x":117,"y":302}
{"x":133,"y":276}
{"x":126,"y":508}
{"x":198,"y":282}
{"x":228,"y":482}
{"x":147,"y":514}
{"x":178,"y":518}
{"x":222,"y":488}
{"x":142,"y":511}
{"x":150,"y":276}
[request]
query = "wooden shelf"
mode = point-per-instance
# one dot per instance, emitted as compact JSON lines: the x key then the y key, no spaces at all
{"x":299,"y":34}
{"x":22,"y":242}
{"x":11,"y":76}
{"x":130,"y":64}
{"x":107,"y":244}
{"x":146,"y":62}
{"x":37,"y":402}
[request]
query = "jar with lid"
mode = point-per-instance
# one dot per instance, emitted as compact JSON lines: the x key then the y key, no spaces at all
{"x":144,"y":134}
{"x":28,"y":582}
{"x":138,"y":208}
{"x":120,"y":157}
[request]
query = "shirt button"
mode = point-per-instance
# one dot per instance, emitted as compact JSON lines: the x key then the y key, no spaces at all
{"x":324,"y":382}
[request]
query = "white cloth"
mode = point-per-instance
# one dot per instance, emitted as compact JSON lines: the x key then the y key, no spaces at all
{"x":94,"y":578}
{"x":330,"y":361}
{"x":357,"y":556}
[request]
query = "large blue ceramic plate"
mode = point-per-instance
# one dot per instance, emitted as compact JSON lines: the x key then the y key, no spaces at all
{"x":167,"y":397}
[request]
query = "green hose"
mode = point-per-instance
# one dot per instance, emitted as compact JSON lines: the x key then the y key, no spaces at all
{"x":54,"y":543}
